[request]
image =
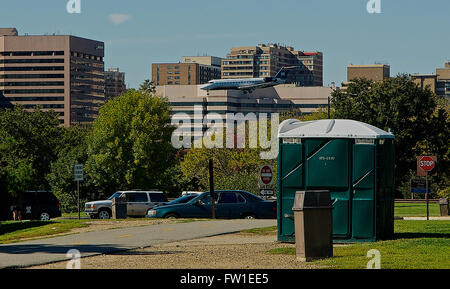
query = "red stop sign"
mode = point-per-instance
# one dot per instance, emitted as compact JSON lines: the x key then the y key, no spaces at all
{"x":426,"y":163}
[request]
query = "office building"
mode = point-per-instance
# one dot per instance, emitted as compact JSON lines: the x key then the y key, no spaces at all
{"x":114,"y":83}
{"x":425,"y":80}
{"x":57,"y":72}
{"x":277,"y":99}
{"x":438,"y":83}
{"x":194,"y":102}
{"x":203,"y":60}
{"x":192,"y":70}
{"x":443,"y":81}
{"x":265,"y":60}
{"x":375,"y":72}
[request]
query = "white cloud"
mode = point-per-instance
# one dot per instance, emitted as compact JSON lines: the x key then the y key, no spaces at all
{"x":118,"y":18}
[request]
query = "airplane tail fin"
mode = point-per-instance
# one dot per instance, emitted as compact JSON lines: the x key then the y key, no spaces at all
{"x":282,"y":73}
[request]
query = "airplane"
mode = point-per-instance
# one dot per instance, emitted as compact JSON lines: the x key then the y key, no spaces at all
{"x":247,"y":84}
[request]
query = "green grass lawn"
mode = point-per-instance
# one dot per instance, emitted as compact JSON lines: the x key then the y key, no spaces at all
{"x":262,"y":231}
{"x":11,"y":231}
{"x":417,"y":245}
{"x":415,"y":210}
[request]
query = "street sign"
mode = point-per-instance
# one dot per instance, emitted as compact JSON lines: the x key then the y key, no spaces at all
{"x":266,"y":175}
{"x":79,"y":173}
{"x":419,"y":186}
{"x":266,"y":192}
{"x":426,"y":165}
{"x":79,"y":176}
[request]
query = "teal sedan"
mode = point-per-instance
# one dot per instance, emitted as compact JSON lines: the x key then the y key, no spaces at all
{"x":228,"y":204}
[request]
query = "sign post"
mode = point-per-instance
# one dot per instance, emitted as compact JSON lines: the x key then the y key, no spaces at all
{"x":79,"y":177}
{"x":266,"y":181}
{"x":211,"y":188}
{"x":425,"y":166}
{"x":426,"y":196}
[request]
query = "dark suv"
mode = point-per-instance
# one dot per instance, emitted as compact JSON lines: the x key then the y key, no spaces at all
{"x":40,"y":205}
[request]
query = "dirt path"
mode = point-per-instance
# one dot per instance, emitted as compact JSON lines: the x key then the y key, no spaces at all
{"x":232,"y":251}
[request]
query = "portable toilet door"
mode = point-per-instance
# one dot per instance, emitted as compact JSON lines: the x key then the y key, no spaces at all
{"x":290,"y":180}
{"x":353,"y":160}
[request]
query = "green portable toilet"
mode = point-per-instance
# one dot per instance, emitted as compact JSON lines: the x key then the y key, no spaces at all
{"x":351,"y":159}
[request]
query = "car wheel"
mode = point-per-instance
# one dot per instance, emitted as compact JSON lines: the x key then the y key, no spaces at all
{"x":249,"y":216}
{"x":44,"y":216}
{"x":104,"y":215}
{"x":171,"y":216}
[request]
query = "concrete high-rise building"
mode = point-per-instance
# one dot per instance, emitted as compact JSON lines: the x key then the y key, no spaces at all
{"x":193,"y":70}
{"x":265,"y":60}
{"x":114,"y":83}
{"x":375,"y":72}
{"x":57,"y":72}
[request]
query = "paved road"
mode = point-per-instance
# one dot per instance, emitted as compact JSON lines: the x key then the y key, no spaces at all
{"x":50,"y":250}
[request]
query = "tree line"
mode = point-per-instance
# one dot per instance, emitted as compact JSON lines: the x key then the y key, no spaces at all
{"x":129,"y":145}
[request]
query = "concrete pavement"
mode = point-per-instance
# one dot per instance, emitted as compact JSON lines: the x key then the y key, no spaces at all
{"x":51,"y":250}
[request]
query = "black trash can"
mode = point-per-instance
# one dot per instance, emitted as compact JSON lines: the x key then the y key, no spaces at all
{"x":119,"y":208}
{"x":443,"y":205}
{"x":313,"y":220}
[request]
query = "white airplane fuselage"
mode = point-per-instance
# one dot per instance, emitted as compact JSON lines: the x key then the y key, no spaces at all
{"x":242,"y":84}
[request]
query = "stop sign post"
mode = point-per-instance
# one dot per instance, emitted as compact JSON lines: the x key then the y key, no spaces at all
{"x":426,"y":165}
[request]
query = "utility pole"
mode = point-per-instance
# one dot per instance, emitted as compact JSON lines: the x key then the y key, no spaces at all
{"x":211,"y":188}
{"x":329,"y":104}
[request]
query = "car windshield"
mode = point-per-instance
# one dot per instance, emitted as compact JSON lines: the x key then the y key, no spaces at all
{"x":115,"y":195}
{"x":183,"y":199}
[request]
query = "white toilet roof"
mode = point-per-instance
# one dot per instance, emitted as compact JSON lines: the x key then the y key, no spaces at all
{"x":330,"y":128}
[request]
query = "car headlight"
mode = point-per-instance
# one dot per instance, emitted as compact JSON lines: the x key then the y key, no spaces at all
{"x":151,"y":213}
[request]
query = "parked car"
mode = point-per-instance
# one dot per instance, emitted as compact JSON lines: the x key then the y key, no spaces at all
{"x":138,"y":203}
{"x":181,"y":200}
{"x":229,"y":205}
{"x":40,"y":205}
{"x":191,"y":193}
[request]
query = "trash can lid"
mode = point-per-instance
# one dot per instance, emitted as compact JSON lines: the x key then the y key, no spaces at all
{"x":312,"y":199}
{"x":443,"y":201}
{"x":330,"y":128}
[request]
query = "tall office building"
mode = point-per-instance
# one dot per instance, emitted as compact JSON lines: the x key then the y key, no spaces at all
{"x":193,"y":70}
{"x":57,"y":72}
{"x":114,"y":83}
{"x":265,"y":60}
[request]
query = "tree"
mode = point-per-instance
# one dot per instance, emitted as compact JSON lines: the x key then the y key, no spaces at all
{"x":234,"y":168}
{"x":73,"y":150}
{"x":400,"y":106}
{"x":130,"y":145}
{"x":28,"y":144}
{"x":147,"y":87}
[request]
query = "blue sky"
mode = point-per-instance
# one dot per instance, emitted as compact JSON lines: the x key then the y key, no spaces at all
{"x":412,"y":36}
